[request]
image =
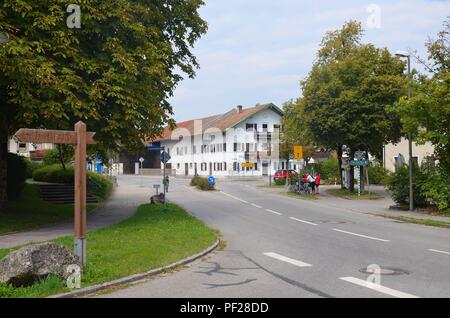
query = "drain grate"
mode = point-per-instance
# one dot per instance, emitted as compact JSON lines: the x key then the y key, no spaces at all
{"x":385,"y":271}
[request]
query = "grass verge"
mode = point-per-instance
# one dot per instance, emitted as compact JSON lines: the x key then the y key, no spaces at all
{"x":306,"y":197}
{"x":30,"y":211}
{"x":345,"y":194}
{"x":152,"y":238}
{"x":426,"y":222}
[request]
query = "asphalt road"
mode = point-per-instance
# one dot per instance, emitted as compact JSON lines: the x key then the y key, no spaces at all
{"x":286,"y":247}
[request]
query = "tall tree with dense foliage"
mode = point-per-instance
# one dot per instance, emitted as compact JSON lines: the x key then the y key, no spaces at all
{"x":115,"y":73}
{"x":348,"y":91}
{"x":427,"y":114}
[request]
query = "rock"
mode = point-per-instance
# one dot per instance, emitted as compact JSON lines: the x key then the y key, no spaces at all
{"x":31,"y":263}
{"x":157,"y":199}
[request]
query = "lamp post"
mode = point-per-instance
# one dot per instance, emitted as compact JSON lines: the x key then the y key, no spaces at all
{"x":407,"y":55}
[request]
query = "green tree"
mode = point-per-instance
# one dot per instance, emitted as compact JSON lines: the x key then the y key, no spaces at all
{"x":427,"y":114}
{"x":115,"y":73}
{"x":348,"y":92}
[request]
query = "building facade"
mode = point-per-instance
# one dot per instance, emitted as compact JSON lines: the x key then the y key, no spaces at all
{"x":241,"y":142}
{"x":398,"y":154}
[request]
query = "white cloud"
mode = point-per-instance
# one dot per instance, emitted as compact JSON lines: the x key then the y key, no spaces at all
{"x":259,"y":50}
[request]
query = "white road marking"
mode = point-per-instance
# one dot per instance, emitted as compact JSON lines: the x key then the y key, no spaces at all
{"x":441,"y":252}
{"x":288,"y":260}
{"x":232,"y":196}
{"x":274,"y":212}
{"x":303,"y":221}
{"x":378,"y":288}
{"x":257,"y":206}
{"x":360,"y":235}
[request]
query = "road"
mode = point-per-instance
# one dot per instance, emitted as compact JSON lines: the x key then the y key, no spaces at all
{"x":286,"y":247}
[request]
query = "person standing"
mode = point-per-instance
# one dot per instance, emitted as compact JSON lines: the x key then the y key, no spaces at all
{"x":317,"y":182}
{"x":312,"y":183}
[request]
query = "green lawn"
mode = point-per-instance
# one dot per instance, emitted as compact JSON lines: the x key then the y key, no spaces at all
{"x":345,"y":194}
{"x":427,"y":222}
{"x":152,"y":238}
{"x":30,"y":211}
{"x":307,"y":197}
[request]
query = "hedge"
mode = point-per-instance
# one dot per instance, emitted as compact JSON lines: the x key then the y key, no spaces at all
{"x":98,"y":185}
{"x":202,"y":183}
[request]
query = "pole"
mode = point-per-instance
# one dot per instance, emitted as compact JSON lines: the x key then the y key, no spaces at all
{"x":164,"y":174}
{"x":80,"y":192}
{"x":411,"y":191}
{"x":270,"y":173}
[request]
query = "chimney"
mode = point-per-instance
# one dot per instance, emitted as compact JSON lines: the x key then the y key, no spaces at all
{"x":239,"y":109}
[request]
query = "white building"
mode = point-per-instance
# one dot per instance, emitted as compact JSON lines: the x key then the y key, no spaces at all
{"x":241,"y":142}
{"x":26,"y":149}
{"x":397,"y":154}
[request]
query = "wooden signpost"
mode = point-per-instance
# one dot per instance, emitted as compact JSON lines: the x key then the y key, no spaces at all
{"x":80,"y":138}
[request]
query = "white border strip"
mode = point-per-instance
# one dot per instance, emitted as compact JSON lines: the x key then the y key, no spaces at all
{"x":303,"y":221}
{"x":360,"y":235}
{"x":257,"y":206}
{"x":233,"y":197}
{"x":288,"y":260}
{"x":441,"y":252}
{"x":378,"y":288}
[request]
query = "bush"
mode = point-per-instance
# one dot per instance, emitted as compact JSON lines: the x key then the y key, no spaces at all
{"x":31,"y":167}
{"x":98,"y":185}
{"x":16,"y":175}
{"x":202,"y":183}
{"x":429,"y":187}
{"x":328,"y":169}
{"x":51,"y":156}
{"x":378,"y":174}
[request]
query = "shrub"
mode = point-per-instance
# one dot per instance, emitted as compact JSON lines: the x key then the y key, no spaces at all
{"x":51,"y":156}
{"x":202,"y":183}
{"x":98,"y":185}
{"x":378,"y":174}
{"x":31,"y":167}
{"x":16,"y":175}
{"x":430,"y":188}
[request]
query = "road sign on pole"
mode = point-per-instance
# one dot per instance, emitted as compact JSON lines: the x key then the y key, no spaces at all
{"x":298,"y":152}
{"x":79,"y":137}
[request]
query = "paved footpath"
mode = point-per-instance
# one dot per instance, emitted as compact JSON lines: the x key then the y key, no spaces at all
{"x":122,"y":204}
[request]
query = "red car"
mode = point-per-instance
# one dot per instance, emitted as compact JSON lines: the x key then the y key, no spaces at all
{"x":281,"y":175}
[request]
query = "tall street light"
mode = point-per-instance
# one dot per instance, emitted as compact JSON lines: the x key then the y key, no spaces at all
{"x":407,"y":55}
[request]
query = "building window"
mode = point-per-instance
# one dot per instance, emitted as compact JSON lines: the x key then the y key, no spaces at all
{"x":264,"y":127}
{"x":251,"y":127}
{"x":225,"y":166}
{"x":178,"y":166}
{"x":191,"y":165}
{"x":224,"y":147}
{"x":256,"y":166}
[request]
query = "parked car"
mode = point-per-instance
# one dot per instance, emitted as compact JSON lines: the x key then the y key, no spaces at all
{"x":280,"y":175}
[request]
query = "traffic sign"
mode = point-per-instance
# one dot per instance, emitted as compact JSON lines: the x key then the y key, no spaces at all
{"x":211,"y":180}
{"x":154,"y":148}
{"x":358,"y":163}
{"x":360,"y":155}
{"x":165,"y":157}
{"x":298,"y":152}
{"x":141,"y":160}
{"x":248,"y":165}
{"x":44,"y":136}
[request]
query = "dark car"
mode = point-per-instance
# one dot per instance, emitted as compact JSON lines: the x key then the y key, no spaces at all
{"x":281,"y":175}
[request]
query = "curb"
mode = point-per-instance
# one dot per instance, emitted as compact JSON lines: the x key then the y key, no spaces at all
{"x":135,"y":277}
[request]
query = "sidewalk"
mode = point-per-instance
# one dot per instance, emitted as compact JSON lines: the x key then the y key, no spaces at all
{"x":122,"y":204}
{"x":374,"y":207}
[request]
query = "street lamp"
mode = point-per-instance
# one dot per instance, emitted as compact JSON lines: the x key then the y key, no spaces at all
{"x":407,"y":55}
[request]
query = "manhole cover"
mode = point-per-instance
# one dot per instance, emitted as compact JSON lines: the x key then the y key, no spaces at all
{"x":385,"y":271}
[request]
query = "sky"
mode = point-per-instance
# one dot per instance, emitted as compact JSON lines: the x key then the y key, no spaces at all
{"x":258,"y":51}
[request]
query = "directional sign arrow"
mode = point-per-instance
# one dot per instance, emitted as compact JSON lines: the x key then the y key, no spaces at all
{"x":44,"y":136}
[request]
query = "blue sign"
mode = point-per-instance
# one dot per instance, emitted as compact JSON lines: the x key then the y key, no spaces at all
{"x":358,"y":163}
{"x":211,"y":180}
{"x":154,"y":148}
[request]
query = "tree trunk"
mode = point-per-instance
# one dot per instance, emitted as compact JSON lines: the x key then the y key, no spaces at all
{"x":3,"y":169}
{"x":352,"y":173}
{"x":339,"y":155}
{"x":61,"y":156}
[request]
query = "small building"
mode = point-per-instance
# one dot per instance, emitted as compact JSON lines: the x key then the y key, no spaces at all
{"x":395,"y":155}
{"x":240,"y":142}
{"x":29,"y":150}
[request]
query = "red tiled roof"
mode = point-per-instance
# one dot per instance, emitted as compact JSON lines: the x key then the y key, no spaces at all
{"x":222,"y":121}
